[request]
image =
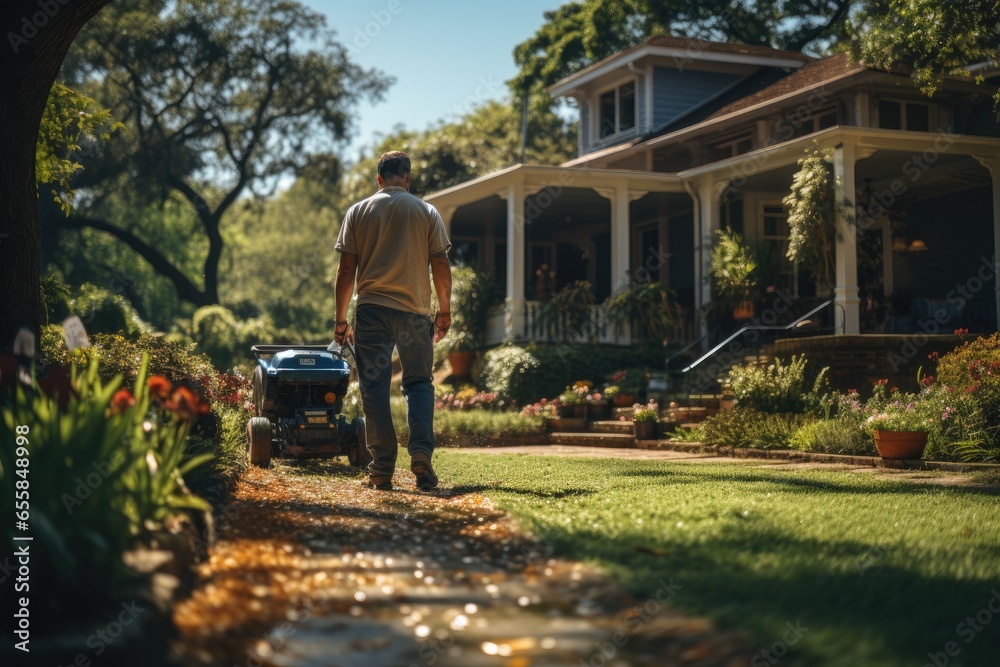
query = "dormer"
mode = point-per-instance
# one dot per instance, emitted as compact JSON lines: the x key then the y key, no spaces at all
{"x":657,"y":84}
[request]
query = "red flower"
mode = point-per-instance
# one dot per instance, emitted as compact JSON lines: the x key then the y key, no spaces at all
{"x":881,"y":383}
{"x":187,"y":404}
{"x":159,"y":387}
{"x":927,"y":380}
{"x":933,"y":356}
{"x":122,"y":401}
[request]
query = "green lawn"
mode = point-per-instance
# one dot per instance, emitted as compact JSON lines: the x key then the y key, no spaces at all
{"x":881,"y":572}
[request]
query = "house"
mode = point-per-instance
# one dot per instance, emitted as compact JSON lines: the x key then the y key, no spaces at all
{"x":681,"y":137}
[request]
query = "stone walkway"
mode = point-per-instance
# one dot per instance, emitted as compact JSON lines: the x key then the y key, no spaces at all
{"x":313,"y":569}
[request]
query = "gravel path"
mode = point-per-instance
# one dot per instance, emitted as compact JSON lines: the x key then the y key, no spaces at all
{"x":313,"y":569}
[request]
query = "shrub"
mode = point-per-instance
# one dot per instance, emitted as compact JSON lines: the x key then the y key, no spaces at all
{"x":967,"y":364}
{"x":746,"y":427}
{"x":103,"y":311}
{"x":778,"y":388}
{"x":506,"y":373}
{"x":972,"y":371}
{"x":120,"y":355}
{"x":545,"y":370}
{"x":833,"y":436}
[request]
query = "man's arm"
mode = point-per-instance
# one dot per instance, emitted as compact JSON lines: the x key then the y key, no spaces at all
{"x":343,"y":292}
{"x":441,"y":272}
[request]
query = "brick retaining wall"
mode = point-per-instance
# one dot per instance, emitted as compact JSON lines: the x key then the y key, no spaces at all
{"x":856,"y":362}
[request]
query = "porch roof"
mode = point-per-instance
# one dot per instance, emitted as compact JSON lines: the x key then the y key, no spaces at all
{"x":541,"y":176}
{"x":763,"y":159}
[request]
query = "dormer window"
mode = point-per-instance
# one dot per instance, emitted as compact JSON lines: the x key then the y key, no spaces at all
{"x":617,"y":110}
{"x":904,"y":115}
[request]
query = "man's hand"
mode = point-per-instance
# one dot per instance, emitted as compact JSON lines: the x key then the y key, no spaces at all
{"x":342,"y":332}
{"x":442,"y":322}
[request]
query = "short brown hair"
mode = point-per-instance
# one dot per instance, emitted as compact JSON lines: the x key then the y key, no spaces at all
{"x":393,"y":163}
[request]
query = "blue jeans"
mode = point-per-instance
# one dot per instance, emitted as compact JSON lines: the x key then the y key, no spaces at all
{"x":377,"y":330}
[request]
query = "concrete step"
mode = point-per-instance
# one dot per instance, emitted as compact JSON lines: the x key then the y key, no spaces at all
{"x":692,"y":415}
{"x":622,"y":440}
{"x":703,"y":401}
{"x":566,"y":425}
{"x":611,"y":427}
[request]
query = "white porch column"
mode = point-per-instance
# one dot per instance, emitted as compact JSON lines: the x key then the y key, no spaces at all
{"x":705,"y":225}
{"x":514,"y":324}
{"x":993,"y":165}
{"x":845,"y":291}
{"x":621,"y":235}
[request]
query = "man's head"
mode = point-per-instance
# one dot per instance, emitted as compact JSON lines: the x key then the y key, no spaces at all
{"x":394,"y":169}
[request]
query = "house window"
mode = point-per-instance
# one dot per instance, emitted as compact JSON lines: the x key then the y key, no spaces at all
{"x":901,"y":115}
{"x":775,"y":235}
{"x":813,"y":122}
{"x":617,"y":109}
{"x":733,"y":146}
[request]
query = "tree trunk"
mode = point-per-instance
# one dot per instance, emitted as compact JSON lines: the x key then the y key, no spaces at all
{"x":36,"y":36}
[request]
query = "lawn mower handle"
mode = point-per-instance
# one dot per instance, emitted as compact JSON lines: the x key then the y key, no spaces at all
{"x":336,"y":348}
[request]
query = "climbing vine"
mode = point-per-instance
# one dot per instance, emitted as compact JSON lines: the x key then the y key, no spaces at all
{"x":812,"y":210}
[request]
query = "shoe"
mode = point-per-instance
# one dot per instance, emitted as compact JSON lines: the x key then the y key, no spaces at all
{"x":420,"y":466}
{"x":380,"y":482}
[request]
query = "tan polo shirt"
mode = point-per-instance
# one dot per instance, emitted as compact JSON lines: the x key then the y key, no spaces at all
{"x":394,"y":234}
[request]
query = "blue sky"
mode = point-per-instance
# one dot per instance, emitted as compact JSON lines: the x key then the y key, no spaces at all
{"x":446,"y":55}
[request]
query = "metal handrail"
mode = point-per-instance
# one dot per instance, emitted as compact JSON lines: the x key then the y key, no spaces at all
{"x":687,"y":347}
{"x":758,"y":327}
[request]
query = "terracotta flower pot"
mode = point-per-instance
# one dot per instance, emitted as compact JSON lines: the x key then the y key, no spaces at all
{"x":900,"y":444}
{"x":625,"y":400}
{"x":460,"y":362}
{"x":580,"y":411}
{"x":744,"y":311}
{"x":564,"y":411}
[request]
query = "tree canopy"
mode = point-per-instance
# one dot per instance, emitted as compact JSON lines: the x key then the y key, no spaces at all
{"x":485,"y":139}
{"x":581,"y":33}
{"x":933,"y":37}
{"x":219,"y":99}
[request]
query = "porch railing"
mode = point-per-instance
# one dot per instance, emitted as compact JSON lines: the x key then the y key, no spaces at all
{"x":532,"y":322}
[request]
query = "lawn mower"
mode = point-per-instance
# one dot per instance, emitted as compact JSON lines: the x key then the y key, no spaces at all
{"x":298,"y":395}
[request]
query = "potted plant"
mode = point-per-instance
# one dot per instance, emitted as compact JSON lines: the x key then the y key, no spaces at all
{"x":630,"y":384}
{"x":598,"y":406}
{"x":900,"y":428}
{"x":644,"y":418}
{"x":572,"y":402}
{"x":734,"y":268}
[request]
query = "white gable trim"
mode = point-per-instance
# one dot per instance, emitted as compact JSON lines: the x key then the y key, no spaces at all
{"x":681,"y":57}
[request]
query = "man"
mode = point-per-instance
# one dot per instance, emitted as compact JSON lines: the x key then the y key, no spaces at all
{"x":386,"y":242}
